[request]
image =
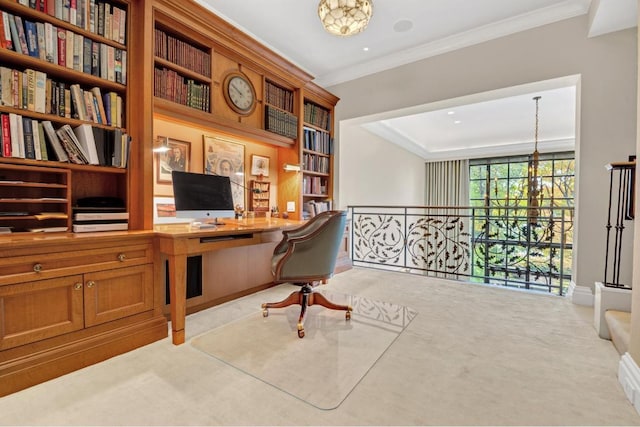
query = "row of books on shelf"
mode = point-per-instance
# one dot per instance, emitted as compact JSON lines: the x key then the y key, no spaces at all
{"x":315,"y":163}
{"x":63,"y":47}
{"x":313,"y":208}
{"x":317,"y":116}
{"x":27,"y":138}
{"x":98,"y":17}
{"x":314,"y":185}
{"x":33,"y":91}
{"x":170,"y":85}
{"x":317,"y":140}
{"x":280,"y":122}
{"x":279,"y":97}
{"x":181,"y":53}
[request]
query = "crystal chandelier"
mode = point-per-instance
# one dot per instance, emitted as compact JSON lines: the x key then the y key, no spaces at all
{"x":345,"y":17}
{"x":535,"y":192}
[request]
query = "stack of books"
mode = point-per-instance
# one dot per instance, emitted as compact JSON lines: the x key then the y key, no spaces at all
{"x":87,"y":220}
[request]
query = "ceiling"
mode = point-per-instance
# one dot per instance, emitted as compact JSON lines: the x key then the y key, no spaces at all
{"x":405,"y":31}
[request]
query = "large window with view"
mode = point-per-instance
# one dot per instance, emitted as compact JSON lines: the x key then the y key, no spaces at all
{"x":516,"y":242}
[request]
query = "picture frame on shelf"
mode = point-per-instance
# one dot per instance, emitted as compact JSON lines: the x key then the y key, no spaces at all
{"x":174,"y":155}
{"x":226,"y":158}
{"x":259,"y":165}
{"x":164,"y":211}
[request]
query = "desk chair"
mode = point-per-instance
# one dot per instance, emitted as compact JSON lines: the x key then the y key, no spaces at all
{"x":307,"y":256}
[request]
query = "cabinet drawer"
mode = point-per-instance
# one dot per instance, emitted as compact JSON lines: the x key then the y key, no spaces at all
{"x":42,"y":309}
{"x":38,"y":266}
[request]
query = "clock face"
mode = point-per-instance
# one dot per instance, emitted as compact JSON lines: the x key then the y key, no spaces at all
{"x":240,"y":94}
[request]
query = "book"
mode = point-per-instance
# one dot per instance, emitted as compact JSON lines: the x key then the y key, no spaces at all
{"x":40,"y":95}
{"x":54,"y":142}
{"x":6,"y":135}
{"x":31,"y":89}
{"x":22,"y":38}
{"x":72,"y":146}
{"x":17,"y":141}
{"x":27,"y":137}
{"x":85,"y":228}
{"x":48,"y":229}
{"x":36,"y":138}
{"x":87,"y":50}
{"x":31,"y":37}
{"x":43,"y":145}
{"x":6,"y":31}
{"x":15,"y":37}
{"x":78,"y":54}
{"x":77,"y":99}
{"x":40,"y":32}
{"x":62,"y":47}
{"x":84,"y":134}
{"x":100,"y":136}
{"x":50,"y":42}
{"x":6,"y":80}
{"x":69,"y":39}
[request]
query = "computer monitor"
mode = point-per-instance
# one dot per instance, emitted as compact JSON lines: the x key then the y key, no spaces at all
{"x":203,"y":198}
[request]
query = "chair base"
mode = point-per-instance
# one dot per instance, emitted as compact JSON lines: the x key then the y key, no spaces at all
{"x":306,"y":297}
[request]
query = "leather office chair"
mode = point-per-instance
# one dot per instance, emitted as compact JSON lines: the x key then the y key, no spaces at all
{"x":306,"y":256}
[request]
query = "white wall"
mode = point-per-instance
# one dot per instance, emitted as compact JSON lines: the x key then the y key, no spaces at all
{"x":372,"y":172}
{"x":607,"y":127}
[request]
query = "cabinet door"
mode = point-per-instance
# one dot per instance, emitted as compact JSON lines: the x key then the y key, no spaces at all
{"x":113,"y":294}
{"x":40,"y":309}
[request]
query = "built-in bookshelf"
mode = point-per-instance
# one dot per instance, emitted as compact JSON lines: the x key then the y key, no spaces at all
{"x":317,"y":150}
{"x":182,"y":72}
{"x":259,"y":197}
{"x":63,"y":100}
{"x":279,"y":114}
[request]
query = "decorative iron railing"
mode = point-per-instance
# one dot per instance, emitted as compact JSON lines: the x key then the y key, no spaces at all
{"x":494,"y":245}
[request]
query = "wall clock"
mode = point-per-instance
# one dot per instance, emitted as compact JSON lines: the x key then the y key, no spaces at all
{"x":239,"y":93}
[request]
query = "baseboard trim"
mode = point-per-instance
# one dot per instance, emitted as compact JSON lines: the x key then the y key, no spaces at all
{"x":580,"y":295}
{"x":629,"y":378}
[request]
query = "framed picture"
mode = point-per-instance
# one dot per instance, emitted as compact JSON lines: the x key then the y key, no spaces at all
{"x":164,"y":211}
{"x":226,"y":158}
{"x":259,"y":165}
{"x":177,"y":156}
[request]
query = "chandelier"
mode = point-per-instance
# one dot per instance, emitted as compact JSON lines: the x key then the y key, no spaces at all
{"x":535,"y":191}
{"x":345,"y":17}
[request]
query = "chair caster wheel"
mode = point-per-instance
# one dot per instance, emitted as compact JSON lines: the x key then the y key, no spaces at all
{"x":300,"y":333}
{"x":265,"y":312}
{"x":347,"y":315}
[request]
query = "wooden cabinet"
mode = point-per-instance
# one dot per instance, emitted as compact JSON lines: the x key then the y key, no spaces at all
{"x":259,"y":196}
{"x":71,"y":301}
{"x":86,"y":85}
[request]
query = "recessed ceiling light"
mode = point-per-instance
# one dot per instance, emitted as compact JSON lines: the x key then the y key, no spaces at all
{"x":402,"y":26}
{"x":451,"y":113}
{"x":366,"y":49}
{"x":457,"y":121}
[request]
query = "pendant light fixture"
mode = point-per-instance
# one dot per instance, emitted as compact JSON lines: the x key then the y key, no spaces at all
{"x":535,"y":191}
{"x":345,"y":17}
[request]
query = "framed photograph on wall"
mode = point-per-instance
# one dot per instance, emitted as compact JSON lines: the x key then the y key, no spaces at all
{"x":176,"y":155}
{"x":259,"y":165}
{"x":226,"y":158}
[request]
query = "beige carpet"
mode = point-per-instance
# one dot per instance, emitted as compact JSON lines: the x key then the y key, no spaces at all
{"x":323,"y":367}
{"x":474,"y":355}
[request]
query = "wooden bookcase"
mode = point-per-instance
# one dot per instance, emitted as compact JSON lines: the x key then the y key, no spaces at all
{"x":317,"y":152}
{"x":98,"y":64}
{"x":259,"y":195}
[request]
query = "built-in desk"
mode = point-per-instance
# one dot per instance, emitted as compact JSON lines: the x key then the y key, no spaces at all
{"x":176,"y":242}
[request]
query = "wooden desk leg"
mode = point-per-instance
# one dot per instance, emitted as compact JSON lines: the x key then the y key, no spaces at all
{"x":178,"y":295}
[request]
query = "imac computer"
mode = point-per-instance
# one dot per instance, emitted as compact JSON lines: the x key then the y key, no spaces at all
{"x":206,"y":199}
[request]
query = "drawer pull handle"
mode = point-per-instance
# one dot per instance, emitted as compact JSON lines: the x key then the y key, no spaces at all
{"x":90,"y":284}
{"x":37,"y":267}
{"x":122,"y":257}
{"x":77,"y":286}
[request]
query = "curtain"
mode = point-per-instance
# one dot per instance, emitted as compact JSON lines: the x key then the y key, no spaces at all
{"x":447,"y":185}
